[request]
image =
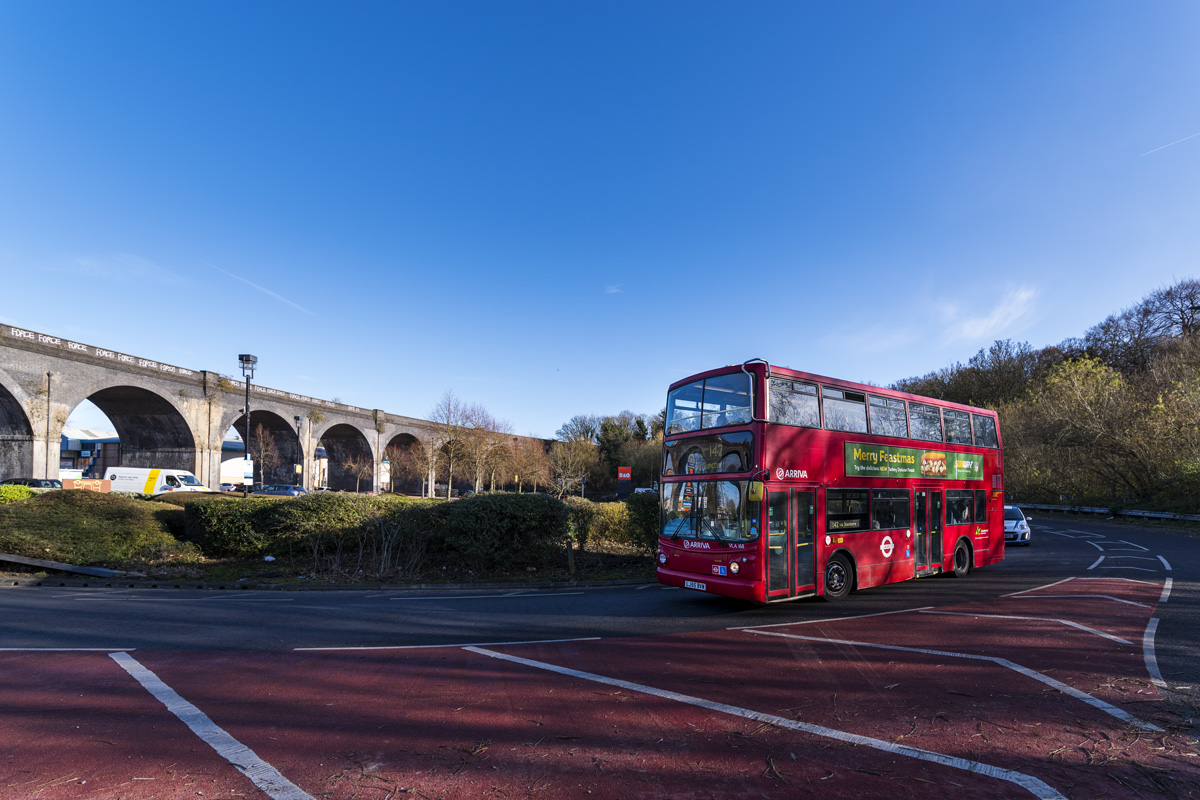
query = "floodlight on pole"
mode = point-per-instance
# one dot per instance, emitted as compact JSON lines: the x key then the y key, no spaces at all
{"x":248,"y":362}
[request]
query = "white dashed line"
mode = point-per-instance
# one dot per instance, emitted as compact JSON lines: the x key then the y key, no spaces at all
{"x":1036,"y":787}
{"x":65,"y":649}
{"x":1166,"y":592}
{"x":488,"y":596}
{"x":263,"y":775}
{"x":830,"y":619}
{"x":1164,"y":563}
{"x":1066,"y":622}
{"x":1099,"y":561}
{"x":458,"y":645}
{"x":1071,"y":596}
{"x":1038,"y":588}
{"x":1071,"y":691}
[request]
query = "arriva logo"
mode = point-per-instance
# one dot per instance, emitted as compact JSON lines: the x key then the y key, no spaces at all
{"x":781,"y":473}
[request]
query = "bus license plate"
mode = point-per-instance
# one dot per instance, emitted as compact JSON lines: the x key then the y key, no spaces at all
{"x":694,"y":585}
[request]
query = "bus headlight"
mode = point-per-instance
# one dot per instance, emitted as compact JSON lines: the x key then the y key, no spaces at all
{"x":735,"y":567}
{"x":662,"y":558}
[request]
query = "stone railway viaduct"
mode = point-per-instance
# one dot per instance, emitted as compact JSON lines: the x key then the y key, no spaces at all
{"x":168,"y":416}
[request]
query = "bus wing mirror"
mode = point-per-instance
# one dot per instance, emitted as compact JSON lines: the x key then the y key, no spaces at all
{"x":756,"y":491}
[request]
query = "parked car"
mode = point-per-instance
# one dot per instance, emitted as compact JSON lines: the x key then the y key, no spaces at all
{"x":231,"y":487}
{"x":1016,"y":526}
{"x":34,"y":483}
{"x":279,"y":490}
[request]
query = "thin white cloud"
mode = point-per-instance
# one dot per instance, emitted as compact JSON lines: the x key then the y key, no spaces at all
{"x":1014,"y":307}
{"x":265,"y":291}
{"x":1165,"y":146}
{"x":118,"y":268}
{"x":613,"y":290}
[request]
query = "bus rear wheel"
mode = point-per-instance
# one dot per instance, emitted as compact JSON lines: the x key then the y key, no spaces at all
{"x":838,"y":579}
{"x":962,"y":560}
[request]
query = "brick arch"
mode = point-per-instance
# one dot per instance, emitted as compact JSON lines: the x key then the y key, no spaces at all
{"x":406,"y":468}
{"x":16,"y":433}
{"x":281,"y":435}
{"x":343,"y":441}
{"x":153,"y":432}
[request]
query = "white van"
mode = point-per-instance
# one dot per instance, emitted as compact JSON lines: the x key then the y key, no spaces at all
{"x":153,"y":481}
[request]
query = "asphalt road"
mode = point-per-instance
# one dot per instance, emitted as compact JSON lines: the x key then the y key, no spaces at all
{"x":1044,"y":676}
{"x":51,"y":617}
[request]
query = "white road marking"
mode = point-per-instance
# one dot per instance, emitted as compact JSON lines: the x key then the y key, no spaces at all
{"x":242,"y":597}
{"x":1098,"y":547}
{"x":1067,"y":622}
{"x":830,"y":619}
{"x":1035,"y":786}
{"x":65,"y":649}
{"x":1099,"y":561}
{"x":1069,"y":596}
{"x":433,"y":646}
{"x":1114,"y":578}
{"x":263,"y":775}
{"x":1131,"y":544}
{"x":1165,"y":564}
{"x":488,"y":596}
{"x":1166,"y":592}
{"x":1148,"y":653}
{"x":1004,"y":662}
{"x":1038,"y":588}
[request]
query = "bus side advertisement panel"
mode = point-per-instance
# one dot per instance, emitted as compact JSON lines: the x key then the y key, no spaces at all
{"x":885,"y":461}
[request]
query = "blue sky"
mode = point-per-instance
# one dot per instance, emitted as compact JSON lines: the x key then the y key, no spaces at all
{"x":558,"y":208}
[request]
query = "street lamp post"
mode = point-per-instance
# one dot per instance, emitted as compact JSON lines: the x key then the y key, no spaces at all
{"x":248,"y":362}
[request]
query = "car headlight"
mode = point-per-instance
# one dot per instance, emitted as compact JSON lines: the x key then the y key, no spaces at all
{"x":662,"y":558}
{"x":734,"y":567}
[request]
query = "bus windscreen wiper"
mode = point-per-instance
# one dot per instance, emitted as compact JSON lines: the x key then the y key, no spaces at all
{"x":713,"y":529}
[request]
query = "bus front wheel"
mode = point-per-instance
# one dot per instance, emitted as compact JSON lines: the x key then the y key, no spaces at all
{"x":838,"y":579}
{"x":962,"y":560}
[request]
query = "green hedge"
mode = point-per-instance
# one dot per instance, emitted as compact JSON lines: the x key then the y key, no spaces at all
{"x":644,"y":520}
{"x":387,"y":535}
{"x":504,"y":531}
{"x":89,"y":528}
{"x":13,"y":493}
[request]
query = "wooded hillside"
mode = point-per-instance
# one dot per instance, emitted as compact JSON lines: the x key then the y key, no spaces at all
{"x":1112,"y":418}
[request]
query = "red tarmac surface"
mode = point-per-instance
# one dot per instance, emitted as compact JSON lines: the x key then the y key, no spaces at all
{"x":457,"y":723}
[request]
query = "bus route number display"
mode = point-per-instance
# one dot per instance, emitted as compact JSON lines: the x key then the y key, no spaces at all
{"x":882,"y":461}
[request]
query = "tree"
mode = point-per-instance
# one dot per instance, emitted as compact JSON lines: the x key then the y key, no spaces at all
{"x":530,"y":463}
{"x":360,"y":466}
{"x":407,"y":461}
{"x":482,"y":439}
{"x":580,"y":428}
{"x":450,"y":418}
{"x":571,"y":463}
{"x":263,"y":451}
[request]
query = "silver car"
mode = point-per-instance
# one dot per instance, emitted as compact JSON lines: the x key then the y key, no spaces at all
{"x":1016,"y":526}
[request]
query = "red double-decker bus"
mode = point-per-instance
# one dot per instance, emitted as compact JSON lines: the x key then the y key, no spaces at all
{"x":780,"y":484}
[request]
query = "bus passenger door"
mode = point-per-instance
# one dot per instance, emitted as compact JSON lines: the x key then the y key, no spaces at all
{"x":805,"y":503}
{"x":935,"y":530}
{"x":777,"y":543}
{"x":922,"y":512}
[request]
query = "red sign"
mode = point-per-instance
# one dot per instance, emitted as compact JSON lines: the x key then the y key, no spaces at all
{"x":624,"y":473}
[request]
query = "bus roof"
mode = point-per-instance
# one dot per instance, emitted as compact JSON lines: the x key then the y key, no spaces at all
{"x":756,"y":365}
